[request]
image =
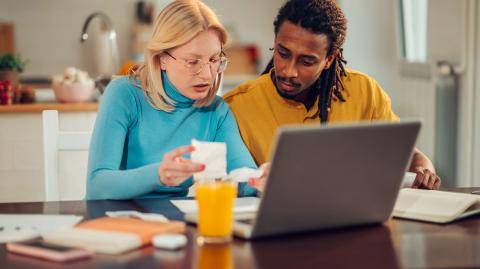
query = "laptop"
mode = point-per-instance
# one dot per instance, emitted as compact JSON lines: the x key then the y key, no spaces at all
{"x":329,"y":177}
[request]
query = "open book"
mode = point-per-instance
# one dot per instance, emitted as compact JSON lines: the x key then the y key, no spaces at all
{"x":435,"y":206}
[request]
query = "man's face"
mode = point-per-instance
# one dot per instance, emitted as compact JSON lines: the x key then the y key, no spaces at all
{"x":299,"y":59}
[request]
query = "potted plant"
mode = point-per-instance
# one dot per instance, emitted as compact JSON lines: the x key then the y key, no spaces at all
{"x":10,"y":66}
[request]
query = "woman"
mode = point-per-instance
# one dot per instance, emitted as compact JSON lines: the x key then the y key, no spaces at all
{"x":146,"y":120}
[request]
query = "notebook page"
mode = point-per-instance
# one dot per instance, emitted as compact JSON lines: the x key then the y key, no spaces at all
{"x":433,"y":203}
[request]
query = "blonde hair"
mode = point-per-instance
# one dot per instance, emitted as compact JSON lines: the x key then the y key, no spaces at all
{"x":178,"y":23}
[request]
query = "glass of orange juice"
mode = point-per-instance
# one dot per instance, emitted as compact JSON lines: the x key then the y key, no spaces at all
{"x":215,"y":210}
{"x":217,"y":256}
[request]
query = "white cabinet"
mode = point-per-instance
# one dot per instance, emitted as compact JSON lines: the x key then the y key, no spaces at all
{"x":21,"y":157}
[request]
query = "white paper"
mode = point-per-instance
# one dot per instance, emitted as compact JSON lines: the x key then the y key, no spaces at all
{"x":242,"y":205}
{"x":214,"y":156}
{"x":15,"y":227}
{"x":138,"y":215}
{"x":244,"y":174}
{"x":408,"y":179}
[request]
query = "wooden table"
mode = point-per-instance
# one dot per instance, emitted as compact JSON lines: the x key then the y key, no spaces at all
{"x":396,"y":244}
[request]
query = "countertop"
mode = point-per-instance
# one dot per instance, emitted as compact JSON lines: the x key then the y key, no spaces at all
{"x":39,"y":107}
{"x":45,"y":100}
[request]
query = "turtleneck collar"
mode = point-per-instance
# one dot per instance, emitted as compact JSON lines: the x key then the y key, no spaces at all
{"x":172,"y":92}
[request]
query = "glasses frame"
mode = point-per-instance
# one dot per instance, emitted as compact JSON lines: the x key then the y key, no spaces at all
{"x":221,"y":67}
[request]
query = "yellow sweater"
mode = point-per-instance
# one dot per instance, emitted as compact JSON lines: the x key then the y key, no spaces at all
{"x":260,"y":110}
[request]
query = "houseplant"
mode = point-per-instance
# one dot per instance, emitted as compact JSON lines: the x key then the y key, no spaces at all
{"x":10,"y":66}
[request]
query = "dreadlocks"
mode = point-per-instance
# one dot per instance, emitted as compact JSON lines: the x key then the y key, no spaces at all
{"x":320,"y":17}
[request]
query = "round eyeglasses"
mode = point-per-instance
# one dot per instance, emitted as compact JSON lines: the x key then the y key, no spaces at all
{"x":195,"y":66}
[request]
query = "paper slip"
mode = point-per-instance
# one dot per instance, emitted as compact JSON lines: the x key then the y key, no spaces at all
{"x":244,"y":174}
{"x":15,"y":227}
{"x":242,"y":205}
{"x":214,"y":156}
{"x":137,"y":215}
{"x":408,"y":179}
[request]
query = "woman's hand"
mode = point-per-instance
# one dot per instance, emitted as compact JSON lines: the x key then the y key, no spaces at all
{"x":259,"y":183}
{"x":173,"y":170}
{"x":425,"y":179}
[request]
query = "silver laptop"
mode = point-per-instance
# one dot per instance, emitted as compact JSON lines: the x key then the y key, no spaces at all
{"x":329,"y":177}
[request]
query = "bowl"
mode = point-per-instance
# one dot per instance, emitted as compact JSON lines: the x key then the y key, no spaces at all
{"x":74,"y":93}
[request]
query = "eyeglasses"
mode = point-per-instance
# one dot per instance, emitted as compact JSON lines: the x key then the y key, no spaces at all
{"x":195,"y":66}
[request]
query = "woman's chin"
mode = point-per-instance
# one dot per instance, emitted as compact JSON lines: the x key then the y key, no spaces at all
{"x":197,"y":95}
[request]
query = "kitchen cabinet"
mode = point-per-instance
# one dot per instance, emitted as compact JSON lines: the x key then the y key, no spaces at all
{"x":21,"y":151}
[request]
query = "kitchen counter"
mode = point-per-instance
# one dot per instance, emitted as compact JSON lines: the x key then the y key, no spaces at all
{"x":39,"y":107}
{"x":45,"y":100}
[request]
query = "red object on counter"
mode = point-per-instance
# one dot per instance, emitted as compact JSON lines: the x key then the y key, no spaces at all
{"x":6,"y":92}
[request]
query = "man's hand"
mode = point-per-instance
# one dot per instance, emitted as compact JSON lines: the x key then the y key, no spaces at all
{"x":423,"y":167}
{"x":259,"y":183}
{"x":425,"y":179}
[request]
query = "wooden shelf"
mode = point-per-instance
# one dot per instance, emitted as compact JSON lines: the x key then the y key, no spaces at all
{"x":39,"y":107}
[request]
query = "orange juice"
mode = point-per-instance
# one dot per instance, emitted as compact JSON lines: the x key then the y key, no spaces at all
{"x":217,"y":256}
{"x":215,"y":205}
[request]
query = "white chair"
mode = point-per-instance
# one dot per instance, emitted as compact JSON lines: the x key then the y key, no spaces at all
{"x":55,"y":141}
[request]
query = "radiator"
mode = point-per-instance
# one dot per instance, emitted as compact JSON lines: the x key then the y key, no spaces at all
{"x":430,"y":92}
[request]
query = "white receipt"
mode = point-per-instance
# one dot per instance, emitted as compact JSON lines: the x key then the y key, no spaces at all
{"x":244,"y":174}
{"x":408,"y":179}
{"x":214,"y":156}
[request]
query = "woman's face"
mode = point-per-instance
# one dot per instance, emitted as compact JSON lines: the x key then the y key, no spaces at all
{"x":192,"y":67}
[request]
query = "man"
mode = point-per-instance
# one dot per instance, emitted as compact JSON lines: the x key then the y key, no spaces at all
{"x":306,"y":83}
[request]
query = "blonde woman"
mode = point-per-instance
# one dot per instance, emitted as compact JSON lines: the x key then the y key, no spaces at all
{"x":146,"y":121}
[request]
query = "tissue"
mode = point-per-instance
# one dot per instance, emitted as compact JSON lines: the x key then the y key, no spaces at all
{"x":244,"y":174}
{"x":214,"y":156}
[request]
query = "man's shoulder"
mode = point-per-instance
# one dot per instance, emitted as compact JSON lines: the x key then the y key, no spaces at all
{"x":361,"y":82}
{"x":357,"y":76}
{"x":248,"y":89}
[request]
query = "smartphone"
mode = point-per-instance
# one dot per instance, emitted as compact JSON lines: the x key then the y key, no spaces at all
{"x":46,"y":251}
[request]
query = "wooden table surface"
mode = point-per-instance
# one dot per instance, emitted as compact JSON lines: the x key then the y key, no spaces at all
{"x":395,"y":244}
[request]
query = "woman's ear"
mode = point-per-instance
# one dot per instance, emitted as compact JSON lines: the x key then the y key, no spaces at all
{"x":162,"y":62}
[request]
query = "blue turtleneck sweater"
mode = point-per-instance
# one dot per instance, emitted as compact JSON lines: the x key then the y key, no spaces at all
{"x":130,"y":138}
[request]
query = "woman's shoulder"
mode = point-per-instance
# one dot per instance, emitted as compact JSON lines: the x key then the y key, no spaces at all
{"x":122,"y":92}
{"x":123,"y":89}
{"x":219,"y":105}
{"x":123,"y":85}
{"x":218,"y":108}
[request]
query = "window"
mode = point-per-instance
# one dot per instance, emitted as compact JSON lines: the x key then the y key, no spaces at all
{"x":413,"y":30}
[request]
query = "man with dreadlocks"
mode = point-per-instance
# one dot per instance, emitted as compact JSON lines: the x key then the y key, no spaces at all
{"x":306,"y":82}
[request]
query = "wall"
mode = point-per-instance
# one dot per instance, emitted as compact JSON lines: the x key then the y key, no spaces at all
{"x":371,"y":45}
{"x":453,"y":37}
{"x":476,"y":100}
{"x":48,"y":31}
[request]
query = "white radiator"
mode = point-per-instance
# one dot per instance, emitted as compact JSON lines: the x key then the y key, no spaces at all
{"x":415,"y":98}
{"x":429,"y":92}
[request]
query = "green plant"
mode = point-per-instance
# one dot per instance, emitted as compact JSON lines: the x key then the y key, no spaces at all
{"x":11,"y":62}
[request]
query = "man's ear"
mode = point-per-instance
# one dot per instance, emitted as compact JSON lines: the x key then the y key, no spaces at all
{"x":330,"y":58}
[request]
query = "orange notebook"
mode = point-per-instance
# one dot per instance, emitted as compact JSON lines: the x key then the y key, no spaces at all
{"x":145,"y":230}
{"x":112,"y":235}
